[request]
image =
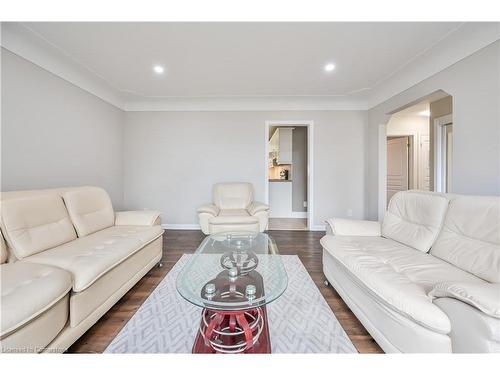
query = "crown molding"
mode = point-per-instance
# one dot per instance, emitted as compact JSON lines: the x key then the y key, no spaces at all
{"x":257,"y":103}
{"x":21,"y":41}
{"x":463,"y":42}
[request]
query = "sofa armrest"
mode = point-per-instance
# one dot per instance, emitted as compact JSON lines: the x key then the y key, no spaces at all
{"x":346,"y":227}
{"x":146,"y":218}
{"x":482,"y":295}
{"x":208,"y":209}
{"x":255,"y":207}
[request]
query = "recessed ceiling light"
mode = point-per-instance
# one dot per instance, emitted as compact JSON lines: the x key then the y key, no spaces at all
{"x":158,"y":69}
{"x":329,"y":67}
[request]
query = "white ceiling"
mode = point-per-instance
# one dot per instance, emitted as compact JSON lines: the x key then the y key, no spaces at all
{"x":243,"y":59}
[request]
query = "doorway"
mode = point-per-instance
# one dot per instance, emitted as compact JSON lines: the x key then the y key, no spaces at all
{"x":408,"y":150}
{"x":399,"y":166}
{"x":432,"y":146}
{"x":288,"y":171}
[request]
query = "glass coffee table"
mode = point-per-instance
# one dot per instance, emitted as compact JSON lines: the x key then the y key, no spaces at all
{"x":233,"y":276}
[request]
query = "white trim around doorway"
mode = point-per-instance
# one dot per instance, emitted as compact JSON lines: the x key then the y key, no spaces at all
{"x":382,"y":171}
{"x":310,"y":163}
{"x":439,"y":123}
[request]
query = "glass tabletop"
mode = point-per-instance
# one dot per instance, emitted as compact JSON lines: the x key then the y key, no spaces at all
{"x":233,"y":271}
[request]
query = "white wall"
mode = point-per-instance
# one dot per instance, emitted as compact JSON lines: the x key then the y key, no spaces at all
{"x":475,"y":86}
{"x":55,"y":134}
{"x":407,"y":125}
{"x":172,"y":159}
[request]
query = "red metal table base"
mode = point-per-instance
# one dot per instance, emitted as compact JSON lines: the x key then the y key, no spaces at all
{"x":233,"y":332}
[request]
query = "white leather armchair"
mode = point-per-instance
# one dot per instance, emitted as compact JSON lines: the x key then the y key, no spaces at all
{"x":233,"y":209}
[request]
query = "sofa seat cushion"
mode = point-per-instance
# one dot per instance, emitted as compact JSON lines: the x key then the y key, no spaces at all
{"x":90,"y":257}
{"x":233,"y":212}
{"x":28,"y":290}
{"x":105,"y":291}
{"x":397,"y":275}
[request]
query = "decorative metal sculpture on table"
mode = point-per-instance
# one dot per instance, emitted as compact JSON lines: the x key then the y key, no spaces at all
{"x":238,"y":331}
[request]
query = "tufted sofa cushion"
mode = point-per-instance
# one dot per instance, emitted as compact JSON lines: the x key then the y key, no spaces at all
{"x":90,"y":209}
{"x":414,"y":218}
{"x":28,"y":290}
{"x":470,"y":238}
{"x":90,"y":257}
{"x":33,"y":224}
{"x":397,"y":275}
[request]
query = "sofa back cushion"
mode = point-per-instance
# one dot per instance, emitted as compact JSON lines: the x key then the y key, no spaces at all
{"x":35,"y":223}
{"x":90,"y":209}
{"x":414,"y":218}
{"x":233,"y":195}
{"x":470,"y":237}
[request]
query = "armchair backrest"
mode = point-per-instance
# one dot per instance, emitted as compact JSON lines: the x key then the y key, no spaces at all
{"x":233,"y":195}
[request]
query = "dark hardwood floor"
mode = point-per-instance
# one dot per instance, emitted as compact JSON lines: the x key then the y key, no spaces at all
{"x":305,"y":244}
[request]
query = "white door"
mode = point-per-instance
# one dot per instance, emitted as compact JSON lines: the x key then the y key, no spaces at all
{"x":424,"y":171}
{"x":397,"y":165}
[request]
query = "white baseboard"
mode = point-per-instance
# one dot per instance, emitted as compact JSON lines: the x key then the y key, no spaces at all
{"x":318,"y":228}
{"x":181,"y":226}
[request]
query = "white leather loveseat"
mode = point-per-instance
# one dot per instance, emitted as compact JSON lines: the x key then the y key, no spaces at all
{"x":67,"y":258}
{"x":232,"y":209}
{"x":427,"y":278}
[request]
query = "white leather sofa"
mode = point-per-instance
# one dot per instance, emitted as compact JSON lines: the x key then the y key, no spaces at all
{"x":233,"y":209}
{"x":427,"y":278}
{"x":67,"y":258}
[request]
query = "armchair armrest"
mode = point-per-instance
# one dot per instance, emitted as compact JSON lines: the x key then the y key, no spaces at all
{"x":208,"y":209}
{"x":483,"y":296}
{"x":255,"y":207}
{"x":146,"y":218}
{"x":346,"y":227}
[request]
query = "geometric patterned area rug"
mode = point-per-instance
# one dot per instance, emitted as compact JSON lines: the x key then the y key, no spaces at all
{"x":300,"y":321}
